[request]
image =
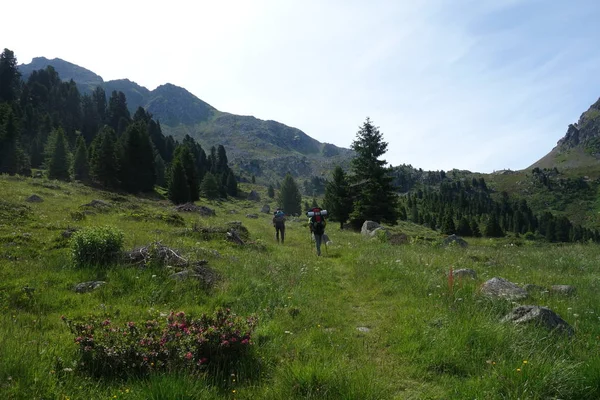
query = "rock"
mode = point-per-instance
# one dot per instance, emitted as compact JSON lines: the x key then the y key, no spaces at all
{"x":85,"y":287}
{"x":67,"y":233}
{"x":97,"y":204}
{"x":34,"y":198}
{"x":254,"y":196}
{"x":531,"y":288}
{"x":191,"y":207}
{"x":562,"y":289}
{"x":363,"y":329}
{"x":541,"y":316}
{"x":266,"y":209}
{"x":455,"y":240}
{"x":398,"y":239}
{"x":253,"y":216}
{"x":368,"y":227}
{"x":379,"y":231}
{"x":464,"y":273}
{"x":182,"y":275}
{"x":233,"y":211}
{"x":500,"y":288}
{"x":206,"y":275}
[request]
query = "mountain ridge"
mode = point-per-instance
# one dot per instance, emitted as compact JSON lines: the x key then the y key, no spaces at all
{"x":265,"y":148}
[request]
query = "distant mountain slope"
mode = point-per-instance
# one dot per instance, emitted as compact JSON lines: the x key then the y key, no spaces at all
{"x":267,"y":149}
{"x":579,"y":150}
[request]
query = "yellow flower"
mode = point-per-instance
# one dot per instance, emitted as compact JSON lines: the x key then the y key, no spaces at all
{"x":524,"y":361}
{"x":233,"y":391}
{"x":518,"y":369}
{"x":126,"y":390}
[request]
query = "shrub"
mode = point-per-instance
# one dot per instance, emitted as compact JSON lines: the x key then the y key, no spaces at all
{"x":176,"y":343}
{"x":96,"y":245}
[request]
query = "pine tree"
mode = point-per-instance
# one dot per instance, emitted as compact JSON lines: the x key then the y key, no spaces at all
{"x":375,"y":197}
{"x":222,"y":163}
{"x":13,"y":159}
{"x":475,"y":228}
{"x":137,"y":172}
{"x":179,"y":189}
{"x":10,"y":77}
{"x":271,"y":191}
{"x":448,"y":227}
{"x":189,"y":163}
{"x":209,"y":187}
{"x":81,"y":167}
{"x":290,"y":198}
{"x":118,"y":116}
{"x":232,"y":185}
{"x":337,"y":197}
{"x":104,"y":160}
{"x":58,"y":160}
{"x":464,"y":229}
{"x":253,"y":179}
{"x":159,"y":165}
{"x":493,"y":229}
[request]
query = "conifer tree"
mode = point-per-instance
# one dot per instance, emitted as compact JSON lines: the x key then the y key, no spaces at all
{"x":464,"y":229}
{"x":271,"y":191}
{"x":13,"y":159}
{"x":58,"y":160}
{"x":337,"y":197}
{"x":475,"y":228}
{"x":179,"y":189}
{"x":448,"y":227}
{"x":189,"y":163}
{"x":81,"y":167}
{"x":232,"y":185}
{"x":9,"y":77}
{"x":137,"y":162}
{"x":493,"y":229}
{"x":290,"y":198}
{"x":104,"y":160}
{"x":160,"y":167}
{"x":375,"y":196}
{"x":209,"y":187}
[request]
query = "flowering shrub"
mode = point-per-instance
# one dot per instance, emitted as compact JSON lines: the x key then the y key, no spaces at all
{"x":179,"y":342}
{"x":96,"y":245}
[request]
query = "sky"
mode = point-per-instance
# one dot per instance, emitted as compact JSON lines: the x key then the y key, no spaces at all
{"x":481,"y":85}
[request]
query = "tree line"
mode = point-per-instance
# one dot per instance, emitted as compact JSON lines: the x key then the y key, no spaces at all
{"x":47,"y":123}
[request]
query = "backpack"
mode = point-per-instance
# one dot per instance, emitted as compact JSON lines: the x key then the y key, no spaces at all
{"x":279,"y":217}
{"x":317,"y":221}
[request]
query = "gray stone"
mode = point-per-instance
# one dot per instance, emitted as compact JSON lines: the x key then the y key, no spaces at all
{"x":363,"y":329}
{"x":85,"y":287}
{"x":562,"y":289}
{"x":183,"y":275}
{"x":540,"y":316}
{"x":368,"y":227}
{"x":254,"y":196}
{"x":499,"y":288}
{"x":455,"y":240}
{"x":465,"y":273}
{"x":253,"y":216}
{"x":97,"y":204}
{"x":266,"y":209}
{"x":34,"y":198}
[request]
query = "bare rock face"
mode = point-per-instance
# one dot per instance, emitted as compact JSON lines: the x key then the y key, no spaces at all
{"x":540,"y":316}
{"x":368,"y":227}
{"x":499,"y":288}
{"x":455,"y":240}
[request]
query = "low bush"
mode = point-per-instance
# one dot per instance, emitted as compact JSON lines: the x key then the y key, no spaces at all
{"x":96,"y":246}
{"x":175,"y":343}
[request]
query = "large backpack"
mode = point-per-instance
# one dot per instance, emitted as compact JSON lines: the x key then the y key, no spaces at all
{"x":279,"y":217}
{"x":317,"y":221}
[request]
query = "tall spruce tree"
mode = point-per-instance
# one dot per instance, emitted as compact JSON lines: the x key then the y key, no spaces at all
{"x":179,"y":189}
{"x":337,"y":197}
{"x":58,"y":159}
{"x":290,"y":199}
{"x":137,"y":162}
{"x":13,"y":159}
{"x":209,"y":187}
{"x":104,"y":160}
{"x":232,"y":185}
{"x":189,"y":163}
{"x":159,"y":165}
{"x":10,"y":77}
{"x":375,"y":198}
{"x":81,"y":166}
{"x":271,"y":191}
{"x":493,"y":229}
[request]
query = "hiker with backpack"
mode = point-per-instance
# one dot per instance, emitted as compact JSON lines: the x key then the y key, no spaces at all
{"x":317,"y":225}
{"x":279,"y":224}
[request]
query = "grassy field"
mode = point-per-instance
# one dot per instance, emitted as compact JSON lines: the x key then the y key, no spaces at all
{"x":368,"y":320}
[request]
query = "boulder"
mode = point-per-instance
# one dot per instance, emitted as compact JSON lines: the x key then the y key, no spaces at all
{"x":499,"y":288}
{"x":254,"y":196}
{"x":368,"y":227}
{"x":455,"y":240}
{"x":463,"y":273}
{"x":191,"y":207}
{"x":34,"y":198}
{"x":266,"y":209}
{"x":562,"y":289}
{"x":540,"y":316}
{"x":398,"y":238}
{"x":99,"y":204}
{"x":85,"y":287}
{"x":253,"y":216}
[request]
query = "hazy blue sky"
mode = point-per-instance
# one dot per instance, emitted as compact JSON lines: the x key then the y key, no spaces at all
{"x":468,"y":84}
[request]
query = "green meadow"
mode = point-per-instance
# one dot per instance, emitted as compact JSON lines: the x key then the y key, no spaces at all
{"x":367,"y":320}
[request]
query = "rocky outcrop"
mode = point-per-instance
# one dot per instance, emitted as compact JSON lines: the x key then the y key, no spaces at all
{"x":499,"y":288}
{"x":455,"y":240}
{"x":540,"y":316}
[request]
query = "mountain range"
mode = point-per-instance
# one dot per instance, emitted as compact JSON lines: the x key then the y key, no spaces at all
{"x":265,"y":149}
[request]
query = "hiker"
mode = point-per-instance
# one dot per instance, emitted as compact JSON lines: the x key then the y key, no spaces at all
{"x":279,"y":224}
{"x":317,"y":224}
